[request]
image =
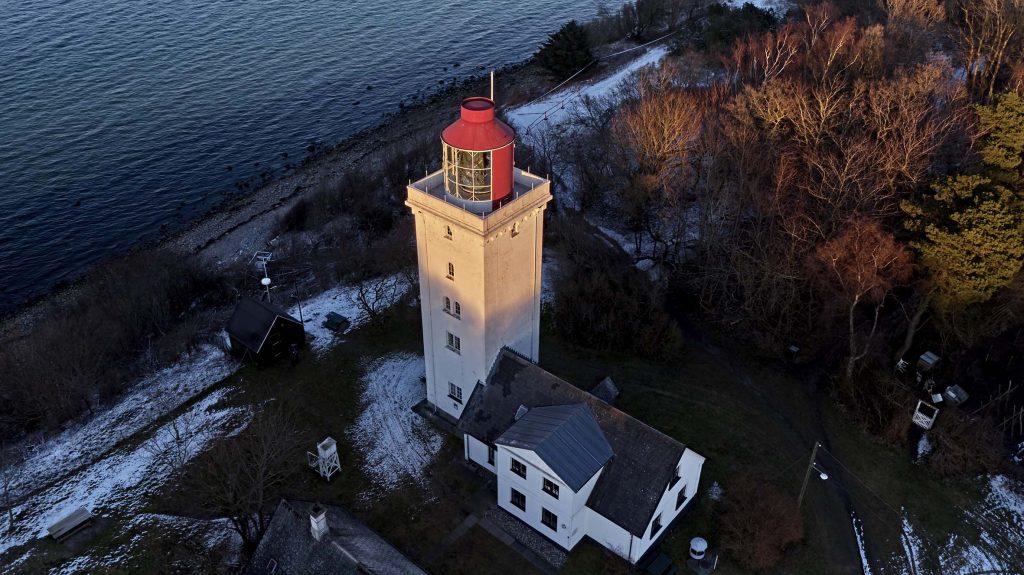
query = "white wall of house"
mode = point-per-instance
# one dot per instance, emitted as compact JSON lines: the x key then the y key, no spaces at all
{"x":569,"y":507}
{"x":671,"y":504}
{"x":496,"y":283}
{"x":477,"y":451}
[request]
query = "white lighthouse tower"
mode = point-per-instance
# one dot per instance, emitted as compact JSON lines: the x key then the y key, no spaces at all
{"x":479,"y":240}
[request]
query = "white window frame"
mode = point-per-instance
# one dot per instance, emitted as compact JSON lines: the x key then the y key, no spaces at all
{"x":454,"y":343}
{"x":451,"y":271}
{"x":553,"y":516}
{"x":553,"y":490}
{"x":454,"y":392}
{"x":512,"y":498}
{"x":512,"y":467}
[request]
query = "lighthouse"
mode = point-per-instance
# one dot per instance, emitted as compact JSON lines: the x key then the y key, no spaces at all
{"x":479,"y":241}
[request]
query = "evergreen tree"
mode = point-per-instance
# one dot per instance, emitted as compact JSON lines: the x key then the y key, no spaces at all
{"x":565,"y":51}
{"x":1003,"y":125}
{"x":972,"y":239}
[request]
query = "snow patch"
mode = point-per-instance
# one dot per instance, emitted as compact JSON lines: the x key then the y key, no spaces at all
{"x":858,"y":532}
{"x":924,"y":447}
{"x":397,"y":444}
{"x":534,"y":120}
{"x":341,"y":300}
{"x":147,"y":401}
{"x":119,"y":483}
{"x":715,"y":491}
{"x":780,"y":7}
{"x":549,"y":269}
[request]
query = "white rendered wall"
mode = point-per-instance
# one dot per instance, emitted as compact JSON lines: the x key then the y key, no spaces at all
{"x":690,"y":465}
{"x":570,"y":507}
{"x":496,"y":282}
{"x":476,"y":451}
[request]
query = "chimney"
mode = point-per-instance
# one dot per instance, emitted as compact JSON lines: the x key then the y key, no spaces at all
{"x":318,"y":521}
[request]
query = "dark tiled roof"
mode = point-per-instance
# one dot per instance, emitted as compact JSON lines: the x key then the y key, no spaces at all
{"x":252,"y":320}
{"x":350,"y":547}
{"x":645,"y":459}
{"x":565,"y":437}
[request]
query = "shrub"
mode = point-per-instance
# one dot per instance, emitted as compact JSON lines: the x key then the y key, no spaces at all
{"x":565,"y":51}
{"x":603,"y":302}
{"x":964,"y":446}
{"x":878,"y":404}
{"x":758,"y":522}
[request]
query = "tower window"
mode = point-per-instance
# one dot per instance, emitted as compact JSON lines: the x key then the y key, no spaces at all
{"x":451,"y":271}
{"x":454,"y":392}
{"x":447,"y":304}
{"x":448,"y":232}
{"x":454,"y":343}
{"x":458,"y":309}
{"x":515,"y":229}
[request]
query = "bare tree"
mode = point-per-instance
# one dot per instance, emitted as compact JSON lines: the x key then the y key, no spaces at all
{"x":239,"y":477}
{"x":174,"y":444}
{"x":865,"y":262}
{"x":375,"y":296}
{"x":985,"y":33}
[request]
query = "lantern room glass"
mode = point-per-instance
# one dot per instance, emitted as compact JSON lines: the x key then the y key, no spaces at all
{"x":467,"y":175}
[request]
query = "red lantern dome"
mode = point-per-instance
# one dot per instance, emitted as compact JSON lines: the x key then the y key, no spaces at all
{"x":478,"y":154}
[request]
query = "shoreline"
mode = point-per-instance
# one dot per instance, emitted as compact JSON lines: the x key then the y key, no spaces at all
{"x":239,"y":225}
{"x":238,"y":216}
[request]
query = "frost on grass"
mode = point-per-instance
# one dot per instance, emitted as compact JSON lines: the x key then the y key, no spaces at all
{"x":146,"y":401}
{"x":201,"y":535}
{"x":343,"y":300}
{"x":397,"y":444}
{"x":119,"y":483}
{"x":989,"y":538}
{"x":858,"y":532}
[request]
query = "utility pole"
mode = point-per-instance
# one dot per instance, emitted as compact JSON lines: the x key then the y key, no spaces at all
{"x":807,"y":475}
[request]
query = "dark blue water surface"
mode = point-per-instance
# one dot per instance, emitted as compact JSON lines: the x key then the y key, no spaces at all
{"x":119,"y":116}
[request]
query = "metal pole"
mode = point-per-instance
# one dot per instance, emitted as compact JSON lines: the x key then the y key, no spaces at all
{"x":807,"y":476}
{"x":492,"y":86}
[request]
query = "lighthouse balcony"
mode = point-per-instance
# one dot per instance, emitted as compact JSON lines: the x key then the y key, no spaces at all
{"x":432,"y":188}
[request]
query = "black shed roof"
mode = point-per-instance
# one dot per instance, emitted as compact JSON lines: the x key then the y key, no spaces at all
{"x":644,"y":460}
{"x":565,"y":437}
{"x":252,"y":321}
{"x":349,"y":547}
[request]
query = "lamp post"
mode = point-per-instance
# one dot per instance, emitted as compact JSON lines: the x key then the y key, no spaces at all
{"x":811,"y":465}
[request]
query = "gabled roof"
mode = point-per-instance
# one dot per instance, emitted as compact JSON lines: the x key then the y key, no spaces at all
{"x":252,"y":321}
{"x":350,"y":547}
{"x":633,"y":481}
{"x":565,"y":437}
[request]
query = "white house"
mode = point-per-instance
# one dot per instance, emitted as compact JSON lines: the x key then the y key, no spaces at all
{"x":567,"y":463}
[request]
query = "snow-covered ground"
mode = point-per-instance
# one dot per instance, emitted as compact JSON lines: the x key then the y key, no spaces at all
{"x":996,"y":529}
{"x":87,"y":465}
{"x":536,"y":119}
{"x":779,"y":6}
{"x":398,"y":445}
{"x":343,"y":300}
{"x":147,"y":401}
{"x":549,"y":268}
{"x":117,"y":484}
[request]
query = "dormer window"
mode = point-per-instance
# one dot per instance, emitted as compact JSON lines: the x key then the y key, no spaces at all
{"x":675,"y":478}
{"x":656,"y":525}
{"x":681,"y":498}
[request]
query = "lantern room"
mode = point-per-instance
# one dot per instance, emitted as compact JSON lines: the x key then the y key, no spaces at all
{"x":478,"y":156}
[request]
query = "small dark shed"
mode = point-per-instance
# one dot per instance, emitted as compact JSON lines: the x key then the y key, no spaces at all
{"x":263,"y":332}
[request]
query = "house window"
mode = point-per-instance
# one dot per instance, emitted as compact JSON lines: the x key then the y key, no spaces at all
{"x":454,"y":343}
{"x":447,"y":304}
{"x":681,"y":498}
{"x":448,"y":232}
{"x":549,"y":519}
{"x":518,"y":499}
{"x":490,"y":454}
{"x":656,"y":526}
{"x":551,"y":488}
{"x":454,"y":392}
{"x":519,"y":468}
{"x":458,"y":309}
{"x":675,"y":478}
{"x":451,"y":271}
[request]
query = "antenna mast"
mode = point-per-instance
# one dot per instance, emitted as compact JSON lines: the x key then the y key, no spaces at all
{"x":492,"y":85}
